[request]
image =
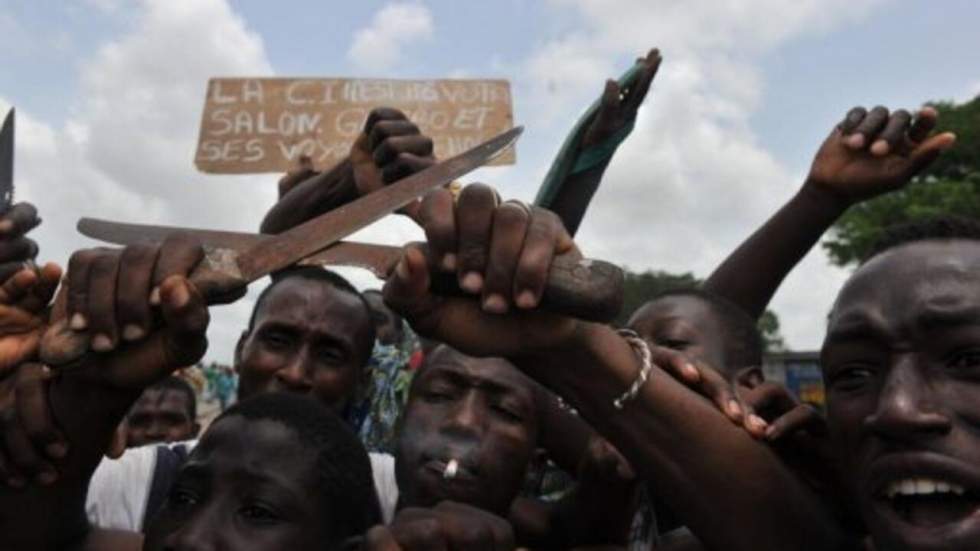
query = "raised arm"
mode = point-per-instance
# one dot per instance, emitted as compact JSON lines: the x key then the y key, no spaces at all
{"x":390,"y":147}
{"x":57,"y":424}
{"x":731,"y":490}
{"x":577,"y":170}
{"x":868,"y":154}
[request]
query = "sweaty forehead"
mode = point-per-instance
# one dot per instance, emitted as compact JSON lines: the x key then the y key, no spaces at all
{"x":494,"y":372}
{"x":260,"y":447}
{"x":690,"y":309}
{"x":306,"y":301}
{"x":903,"y":283}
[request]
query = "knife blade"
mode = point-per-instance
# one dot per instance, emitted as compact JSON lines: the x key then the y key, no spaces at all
{"x":7,"y":162}
{"x":378,"y":259}
{"x":220,"y":276}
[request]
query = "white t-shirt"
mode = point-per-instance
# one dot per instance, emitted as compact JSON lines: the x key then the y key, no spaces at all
{"x":121,"y":489}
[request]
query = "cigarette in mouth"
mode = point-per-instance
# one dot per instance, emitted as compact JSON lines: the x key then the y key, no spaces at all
{"x":451,"y":468}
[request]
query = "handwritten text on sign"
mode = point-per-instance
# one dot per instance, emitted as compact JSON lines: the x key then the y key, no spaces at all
{"x":266,"y":124}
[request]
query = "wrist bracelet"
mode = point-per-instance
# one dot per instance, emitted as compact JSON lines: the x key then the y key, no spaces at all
{"x":642,"y":350}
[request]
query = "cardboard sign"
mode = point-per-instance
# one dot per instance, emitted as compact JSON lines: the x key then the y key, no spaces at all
{"x":255,"y":125}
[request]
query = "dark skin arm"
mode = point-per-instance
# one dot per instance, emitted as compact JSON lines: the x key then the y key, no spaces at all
{"x":57,"y":425}
{"x":619,"y":107}
{"x":868,"y":154}
{"x":732,"y":490}
{"x":390,"y":148}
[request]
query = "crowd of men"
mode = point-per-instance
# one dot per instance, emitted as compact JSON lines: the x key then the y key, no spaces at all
{"x":519,"y":428}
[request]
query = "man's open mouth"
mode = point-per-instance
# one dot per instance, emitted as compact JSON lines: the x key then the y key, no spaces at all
{"x":929,"y":501}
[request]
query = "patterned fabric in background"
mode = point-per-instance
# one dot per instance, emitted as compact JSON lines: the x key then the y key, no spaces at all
{"x":385,"y":393}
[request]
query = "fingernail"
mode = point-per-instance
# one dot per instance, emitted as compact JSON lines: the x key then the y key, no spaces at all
{"x":770,"y":432}
{"x":101,"y":343}
{"x":47,"y":477}
{"x":495,"y":304}
{"x":856,"y":141}
{"x":526,"y":300}
{"x":692,"y":372}
{"x":181,"y":296}
{"x":401,"y":270}
{"x":155,"y":296}
{"x":758,"y":422}
{"x":880,"y":148}
{"x":133,"y":332}
{"x":734,"y":409}
{"x":78,"y":322}
{"x":449,"y":262}
{"x":56,"y":450}
{"x":472,"y":282}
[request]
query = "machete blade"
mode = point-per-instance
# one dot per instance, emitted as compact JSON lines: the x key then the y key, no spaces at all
{"x":7,"y":163}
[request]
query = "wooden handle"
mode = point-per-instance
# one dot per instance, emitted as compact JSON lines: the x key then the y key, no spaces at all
{"x":64,"y":347}
{"x":582,"y":288}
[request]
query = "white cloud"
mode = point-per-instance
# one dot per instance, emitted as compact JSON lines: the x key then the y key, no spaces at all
{"x":126,"y":153}
{"x":692,"y":170}
{"x":380,"y":45}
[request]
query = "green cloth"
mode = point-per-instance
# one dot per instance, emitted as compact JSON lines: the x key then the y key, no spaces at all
{"x":570,"y":160}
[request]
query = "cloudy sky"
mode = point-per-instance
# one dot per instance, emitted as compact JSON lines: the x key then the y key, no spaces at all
{"x":109,"y":96}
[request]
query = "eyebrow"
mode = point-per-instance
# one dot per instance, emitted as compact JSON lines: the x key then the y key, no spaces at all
{"x":293,"y":328}
{"x":205,"y":470}
{"x":934,"y":318}
{"x":493,"y":386}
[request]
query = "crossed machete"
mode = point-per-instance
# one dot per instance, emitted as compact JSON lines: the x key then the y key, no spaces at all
{"x":588,"y":289}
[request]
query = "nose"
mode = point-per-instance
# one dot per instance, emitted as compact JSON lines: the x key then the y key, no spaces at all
{"x":907,"y":408}
{"x":198,"y":533}
{"x":295,"y":375}
{"x":155,"y":431}
{"x":467,"y":417}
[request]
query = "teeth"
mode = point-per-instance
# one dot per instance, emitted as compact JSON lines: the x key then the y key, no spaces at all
{"x":922,"y":486}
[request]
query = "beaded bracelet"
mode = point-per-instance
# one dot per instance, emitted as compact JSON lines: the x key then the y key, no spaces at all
{"x":642,"y":350}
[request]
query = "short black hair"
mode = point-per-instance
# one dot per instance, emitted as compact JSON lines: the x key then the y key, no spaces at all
{"x":346,"y":483}
{"x":935,"y":227}
{"x":316,"y":273}
{"x":178,"y":384}
{"x":400,"y":321}
{"x":743,"y":344}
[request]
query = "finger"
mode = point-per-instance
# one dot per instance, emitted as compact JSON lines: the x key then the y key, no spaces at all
{"x":610,"y":95}
{"x":638,"y":92}
{"x":79,"y":266}
{"x":388,"y":150}
{"x":9,"y":269}
{"x":101,"y":305}
{"x":800,"y":418}
{"x":379,"y":538}
{"x":295,"y":177}
{"x":133,"y":291}
{"x":924,"y":123}
{"x":717,"y":389}
{"x":541,"y":244}
{"x":422,"y":534}
{"x":186,"y":319}
{"x":12,"y":474}
{"x":34,"y":413}
{"x":407,"y":290}
{"x":26,"y":460}
{"x":179,"y":254}
{"x":17,"y":285}
{"x":49,"y":276}
{"x":404,"y":165}
{"x":387,"y":129}
{"x":927,"y":152}
{"x":380,"y":114}
{"x":510,"y":223}
{"x":438,"y":217}
{"x":17,"y":249}
{"x":893,"y":134}
{"x":474,"y":218}
{"x":769,"y":397}
{"x":869,"y":127}
{"x":852,"y":120}
{"x":20,"y":219}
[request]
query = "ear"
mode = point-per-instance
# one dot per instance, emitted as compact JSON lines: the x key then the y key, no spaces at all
{"x":239,"y":347}
{"x":749,"y":377}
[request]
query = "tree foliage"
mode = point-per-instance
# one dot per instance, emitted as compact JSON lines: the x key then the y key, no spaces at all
{"x":951,"y":185}
{"x":640,"y":287}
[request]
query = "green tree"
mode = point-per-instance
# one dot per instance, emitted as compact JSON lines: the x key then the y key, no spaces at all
{"x":951,"y":185}
{"x":640,"y":287}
